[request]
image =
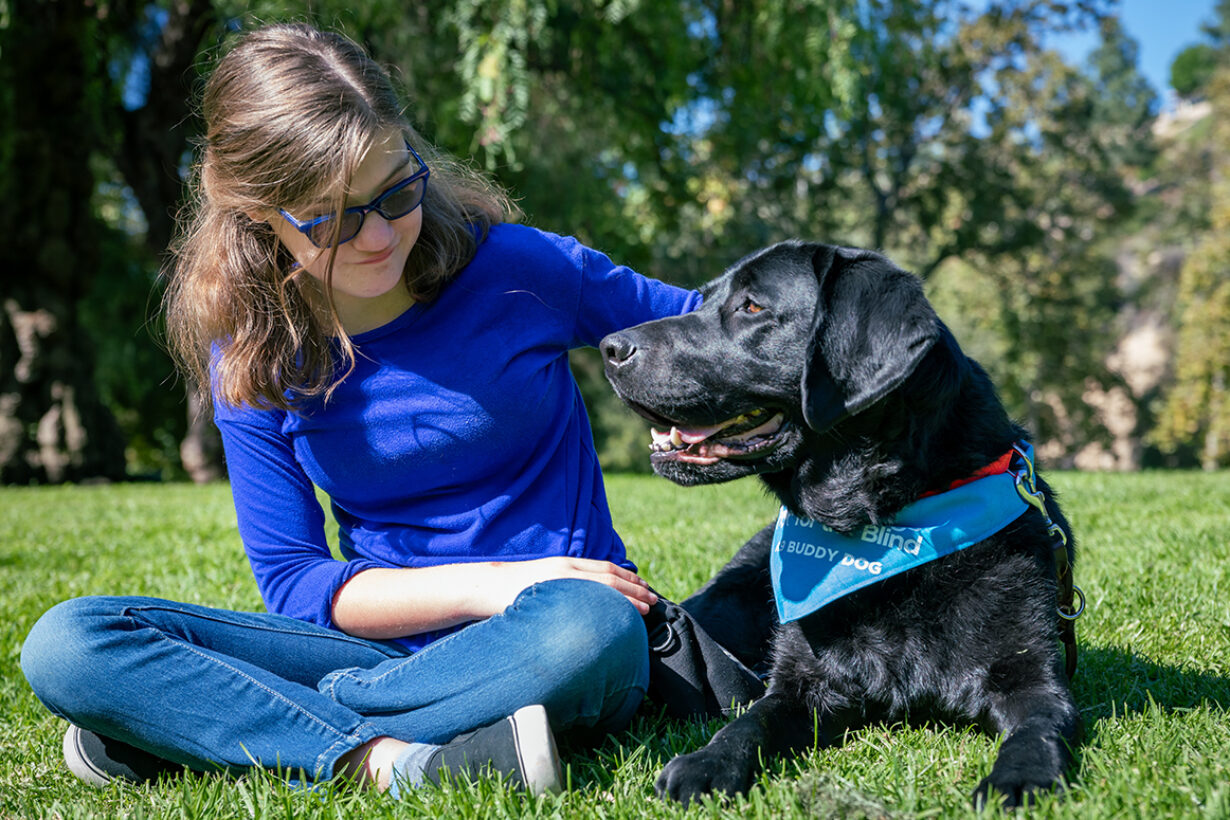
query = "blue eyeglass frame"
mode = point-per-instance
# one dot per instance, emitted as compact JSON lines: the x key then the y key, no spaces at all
{"x":305,"y":228}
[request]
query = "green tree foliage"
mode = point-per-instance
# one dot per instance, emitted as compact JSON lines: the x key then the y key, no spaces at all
{"x":931,"y":133}
{"x":1068,"y":144}
{"x":1192,"y":69}
{"x":1195,"y":413}
{"x":678,"y":136}
{"x":1197,"y":407}
{"x":1123,"y":102}
{"x":117,"y":127}
{"x":1218,"y":28}
{"x":53,"y":426}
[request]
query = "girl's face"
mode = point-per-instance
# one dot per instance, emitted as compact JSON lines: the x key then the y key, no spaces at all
{"x":367,"y":272}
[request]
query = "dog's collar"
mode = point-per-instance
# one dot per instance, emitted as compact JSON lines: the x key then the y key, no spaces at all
{"x":812,"y":565}
{"x":1000,"y":465}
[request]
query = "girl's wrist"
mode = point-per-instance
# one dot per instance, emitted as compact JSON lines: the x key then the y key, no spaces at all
{"x":483,"y":581}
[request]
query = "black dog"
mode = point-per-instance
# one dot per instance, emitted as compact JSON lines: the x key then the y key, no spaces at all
{"x":826,"y":372}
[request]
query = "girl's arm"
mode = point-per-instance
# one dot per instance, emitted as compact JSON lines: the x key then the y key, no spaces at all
{"x":613,"y":297}
{"x":282,"y":526}
{"x":391,"y":603}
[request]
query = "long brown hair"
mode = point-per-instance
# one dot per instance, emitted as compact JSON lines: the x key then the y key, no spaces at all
{"x":290,"y":112}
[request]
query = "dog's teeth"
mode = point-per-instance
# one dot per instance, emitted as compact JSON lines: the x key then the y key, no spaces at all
{"x":676,"y":437}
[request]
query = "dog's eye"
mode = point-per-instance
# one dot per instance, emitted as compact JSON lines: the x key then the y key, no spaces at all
{"x":749,"y":306}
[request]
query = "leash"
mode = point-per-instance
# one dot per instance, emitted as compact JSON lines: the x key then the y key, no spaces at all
{"x":1069,"y":593}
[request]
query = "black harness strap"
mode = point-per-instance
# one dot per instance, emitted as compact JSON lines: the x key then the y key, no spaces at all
{"x":1068,"y":611}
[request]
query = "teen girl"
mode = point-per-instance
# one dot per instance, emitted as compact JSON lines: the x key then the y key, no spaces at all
{"x":372,"y":325}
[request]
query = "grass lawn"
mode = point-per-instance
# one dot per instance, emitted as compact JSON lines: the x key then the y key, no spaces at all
{"x":1154,"y":682}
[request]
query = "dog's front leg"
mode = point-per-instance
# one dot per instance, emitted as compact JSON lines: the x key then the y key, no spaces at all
{"x":774,"y":725}
{"x":1041,"y":729}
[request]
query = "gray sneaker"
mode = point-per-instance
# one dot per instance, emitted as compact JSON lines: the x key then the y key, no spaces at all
{"x":98,"y":760}
{"x":519,"y":747}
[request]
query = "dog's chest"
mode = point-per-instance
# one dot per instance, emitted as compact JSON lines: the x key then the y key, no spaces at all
{"x":913,"y":645}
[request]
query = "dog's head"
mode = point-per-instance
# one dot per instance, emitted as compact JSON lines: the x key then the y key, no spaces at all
{"x":793,"y":346}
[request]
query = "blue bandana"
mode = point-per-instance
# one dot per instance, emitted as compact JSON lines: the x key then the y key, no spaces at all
{"x":812,"y":565}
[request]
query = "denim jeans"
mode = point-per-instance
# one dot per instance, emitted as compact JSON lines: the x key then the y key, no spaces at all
{"x":213,"y":689}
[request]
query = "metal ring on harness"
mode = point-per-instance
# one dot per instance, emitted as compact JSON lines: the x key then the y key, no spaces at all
{"x":1079,"y":609}
{"x":670,"y":640}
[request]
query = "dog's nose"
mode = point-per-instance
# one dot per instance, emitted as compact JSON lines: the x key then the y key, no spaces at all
{"x":617,"y":349}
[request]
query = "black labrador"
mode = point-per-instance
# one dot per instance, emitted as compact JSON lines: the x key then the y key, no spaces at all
{"x":825,"y":371}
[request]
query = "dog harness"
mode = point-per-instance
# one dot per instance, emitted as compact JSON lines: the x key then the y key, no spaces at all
{"x":812,"y":565}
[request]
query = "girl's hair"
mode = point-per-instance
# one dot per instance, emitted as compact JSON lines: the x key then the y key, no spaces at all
{"x":290,"y":113}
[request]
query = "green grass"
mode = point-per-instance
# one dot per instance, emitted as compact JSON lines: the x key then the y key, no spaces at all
{"x":1154,"y":682}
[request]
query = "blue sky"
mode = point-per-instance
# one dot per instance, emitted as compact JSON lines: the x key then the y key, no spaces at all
{"x":1163,"y":28}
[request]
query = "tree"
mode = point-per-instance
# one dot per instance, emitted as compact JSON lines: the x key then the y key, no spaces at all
{"x":1197,"y":406}
{"x":1218,"y":28}
{"x":86,"y":136}
{"x":53,"y":427}
{"x":1124,"y":104}
{"x":1194,"y":66}
{"x":917,"y":127}
{"x":679,"y":136}
{"x":937,"y":135}
{"x":1192,"y":69}
{"x":148,"y":139}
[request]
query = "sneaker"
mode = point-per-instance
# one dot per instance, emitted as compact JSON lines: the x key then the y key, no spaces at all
{"x":98,"y":760}
{"x":520,"y":747}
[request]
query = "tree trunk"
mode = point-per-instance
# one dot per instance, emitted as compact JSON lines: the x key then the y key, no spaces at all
{"x":155,"y":138}
{"x":53,"y":427}
{"x":201,"y":450}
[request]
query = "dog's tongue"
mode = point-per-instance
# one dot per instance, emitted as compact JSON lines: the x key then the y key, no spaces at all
{"x":693,"y":435}
{"x":687,"y":435}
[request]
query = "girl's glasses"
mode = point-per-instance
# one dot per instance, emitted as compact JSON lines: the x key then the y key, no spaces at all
{"x":392,"y":203}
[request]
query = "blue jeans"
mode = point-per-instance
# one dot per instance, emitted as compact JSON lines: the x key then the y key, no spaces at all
{"x":213,"y":689}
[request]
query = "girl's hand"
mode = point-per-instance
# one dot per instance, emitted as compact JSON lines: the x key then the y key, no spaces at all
{"x":508,"y":579}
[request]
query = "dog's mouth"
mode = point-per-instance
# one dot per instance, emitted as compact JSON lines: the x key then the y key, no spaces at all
{"x":746,"y":436}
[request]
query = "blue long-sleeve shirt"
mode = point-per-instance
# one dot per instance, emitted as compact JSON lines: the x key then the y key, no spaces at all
{"x":459,"y":436}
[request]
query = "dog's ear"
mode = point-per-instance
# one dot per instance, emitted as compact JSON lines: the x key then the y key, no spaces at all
{"x":872,"y":327}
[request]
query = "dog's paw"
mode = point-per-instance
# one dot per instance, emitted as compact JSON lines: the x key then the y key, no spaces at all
{"x":1016,"y":789}
{"x":688,"y":778}
{"x":1030,"y":764}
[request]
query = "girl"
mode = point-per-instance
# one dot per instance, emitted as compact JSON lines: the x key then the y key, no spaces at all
{"x":370,"y":324}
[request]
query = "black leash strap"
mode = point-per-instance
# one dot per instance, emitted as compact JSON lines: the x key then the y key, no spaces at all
{"x":1071,"y":600}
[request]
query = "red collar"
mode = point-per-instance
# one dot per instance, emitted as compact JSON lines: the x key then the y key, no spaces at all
{"x":999,"y":465}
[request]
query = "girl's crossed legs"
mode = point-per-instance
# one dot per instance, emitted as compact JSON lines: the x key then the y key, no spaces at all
{"x":214,"y":689}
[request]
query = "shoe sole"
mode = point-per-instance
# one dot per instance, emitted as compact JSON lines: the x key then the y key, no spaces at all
{"x":78,"y":763}
{"x":536,"y":752}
